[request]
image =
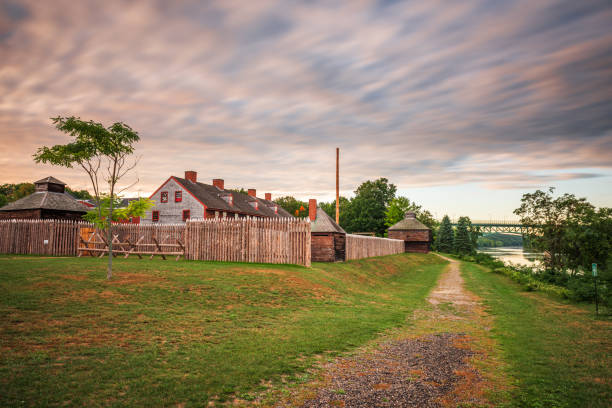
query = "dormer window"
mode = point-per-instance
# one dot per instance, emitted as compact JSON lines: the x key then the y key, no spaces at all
{"x":229,"y":199}
{"x":164,"y":196}
{"x":178,"y":196}
{"x":254,"y":204}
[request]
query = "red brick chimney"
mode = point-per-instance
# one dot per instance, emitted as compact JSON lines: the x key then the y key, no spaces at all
{"x":312,"y":209}
{"x":252,"y":192}
{"x":219,"y":183}
{"x":191,"y":176}
{"x":269,"y":196}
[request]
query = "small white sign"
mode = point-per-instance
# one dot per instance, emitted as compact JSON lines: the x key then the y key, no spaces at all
{"x":46,"y":242}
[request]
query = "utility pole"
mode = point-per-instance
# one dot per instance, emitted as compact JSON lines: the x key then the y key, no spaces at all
{"x":338,"y":185}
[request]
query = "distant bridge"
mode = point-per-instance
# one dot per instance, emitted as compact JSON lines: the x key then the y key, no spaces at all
{"x":506,"y":227}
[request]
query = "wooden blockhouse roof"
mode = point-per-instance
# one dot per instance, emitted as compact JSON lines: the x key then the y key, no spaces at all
{"x":324,"y":223}
{"x":409,"y":223}
{"x":46,"y":200}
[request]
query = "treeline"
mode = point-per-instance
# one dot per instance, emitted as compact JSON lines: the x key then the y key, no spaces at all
{"x":374,"y":208}
{"x":13,"y":192}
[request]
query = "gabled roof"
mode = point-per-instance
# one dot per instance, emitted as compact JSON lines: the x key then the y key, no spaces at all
{"x":47,"y":200}
{"x":324,"y":223}
{"x":409,"y":223}
{"x":50,"y":179}
{"x":212,"y":197}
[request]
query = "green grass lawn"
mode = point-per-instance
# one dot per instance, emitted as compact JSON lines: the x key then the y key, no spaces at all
{"x":558,"y":354}
{"x":163,"y":332}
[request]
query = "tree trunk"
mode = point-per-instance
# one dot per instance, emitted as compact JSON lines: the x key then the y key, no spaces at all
{"x":109,"y":272}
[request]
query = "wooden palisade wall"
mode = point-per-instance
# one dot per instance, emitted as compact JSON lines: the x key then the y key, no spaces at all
{"x":241,"y":240}
{"x":359,"y":246}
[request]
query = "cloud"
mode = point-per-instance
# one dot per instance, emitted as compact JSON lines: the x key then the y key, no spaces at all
{"x":427,"y":93}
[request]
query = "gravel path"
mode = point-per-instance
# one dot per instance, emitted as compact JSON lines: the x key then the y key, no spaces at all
{"x":413,"y":372}
{"x":408,"y":373}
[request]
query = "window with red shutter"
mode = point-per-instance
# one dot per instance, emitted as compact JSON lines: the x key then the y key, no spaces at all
{"x":178,"y":196}
{"x":186,"y":215}
{"x":164,"y":196}
{"x":155,"y":216}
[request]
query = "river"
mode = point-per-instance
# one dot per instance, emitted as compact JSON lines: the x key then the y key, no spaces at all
{"x":515,"y":255}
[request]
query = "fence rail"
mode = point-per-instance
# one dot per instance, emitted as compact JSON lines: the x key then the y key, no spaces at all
{"x":241,"y":240}
{"x":360,"y":246}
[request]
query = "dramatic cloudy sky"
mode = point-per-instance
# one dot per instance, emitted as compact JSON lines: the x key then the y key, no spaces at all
{"x":464,"y":105}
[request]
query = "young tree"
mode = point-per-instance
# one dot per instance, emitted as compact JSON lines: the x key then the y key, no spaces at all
{"x":446,"y":236}
{"x":103,"y":153}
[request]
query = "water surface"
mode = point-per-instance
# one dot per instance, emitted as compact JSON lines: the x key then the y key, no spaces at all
{"x":514,"y":255}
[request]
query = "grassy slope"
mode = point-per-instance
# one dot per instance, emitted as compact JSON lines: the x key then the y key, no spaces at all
{"x":164,"y":333}
{"x":559,"y":354}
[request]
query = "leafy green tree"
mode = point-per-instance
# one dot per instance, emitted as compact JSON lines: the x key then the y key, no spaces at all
{"x":345,"y":210}
{"x":294,"y":207}
{"x":368,"y":207}
{"x":397,"y":209}
{"x":446,"y":236}
{"x":553,"y":216}
{"x":103,"y":153}
{"x":79,"y":194}
{"x":14,"y":192}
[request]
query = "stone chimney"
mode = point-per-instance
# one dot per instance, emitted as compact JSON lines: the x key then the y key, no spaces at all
{"x":219,"y":183}
{"x":191,"y":175}
{"x":269,"y":196}
{"x":312,"y":209}
{"x":252,"y":192}
{"x":410,"y":214}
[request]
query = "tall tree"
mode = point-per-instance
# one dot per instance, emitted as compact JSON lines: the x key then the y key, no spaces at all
{"x":553,"y":216}
{"x":464,"y":242}
{"x":446,"y":236}
{"x":103,"y":153}
{"x":367,"y":210}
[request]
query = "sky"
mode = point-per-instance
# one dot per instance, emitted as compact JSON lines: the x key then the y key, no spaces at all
{"x":464,"y":106}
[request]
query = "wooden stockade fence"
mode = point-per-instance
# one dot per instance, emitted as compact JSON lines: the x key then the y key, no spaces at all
{"x":263,"y":240}
{"x":242,"y":240}
{"x":40,"y":237}
{"x":360,"y":246}
{"x":135,"y":239}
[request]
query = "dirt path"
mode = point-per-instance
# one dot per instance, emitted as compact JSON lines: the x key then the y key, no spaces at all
{"x":430,"y":363}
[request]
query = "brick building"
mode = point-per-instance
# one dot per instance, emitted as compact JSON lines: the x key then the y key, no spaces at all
{"x":416,"y":235}
{"x":179,"y":199}
{"x":327,"y":239}
{"x":49,"y":201}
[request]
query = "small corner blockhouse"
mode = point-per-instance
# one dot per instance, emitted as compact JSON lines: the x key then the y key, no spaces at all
{"x":327,"y":239}
{"x":180,"y":199}
{"x":48,"y":201}
{"x":416,"y":235}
